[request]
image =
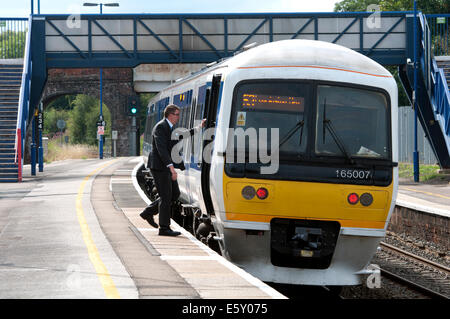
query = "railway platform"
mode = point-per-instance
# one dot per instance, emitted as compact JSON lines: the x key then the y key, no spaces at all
{"x":428,"y":197}
{"x":183,"y":266}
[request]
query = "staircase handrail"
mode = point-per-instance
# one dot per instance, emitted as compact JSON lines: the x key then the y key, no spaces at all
{"x":24,"y":99}
{"x":441,"y":96}
{"x":434,"y":78}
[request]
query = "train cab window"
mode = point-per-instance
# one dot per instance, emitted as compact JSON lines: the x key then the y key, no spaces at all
{"x":267,"y":105}
{"x":352,"y":122}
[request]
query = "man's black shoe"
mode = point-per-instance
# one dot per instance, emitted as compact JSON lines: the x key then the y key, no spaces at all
{"x":149,"y":219}
{"x":168,"y":232}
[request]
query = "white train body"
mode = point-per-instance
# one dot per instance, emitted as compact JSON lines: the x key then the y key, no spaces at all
{"x":310,"y":198}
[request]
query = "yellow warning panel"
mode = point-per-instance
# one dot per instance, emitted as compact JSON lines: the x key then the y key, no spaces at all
{"x":241,"y":118}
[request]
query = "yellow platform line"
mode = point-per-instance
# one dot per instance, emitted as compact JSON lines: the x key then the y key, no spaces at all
{"x":428,"y":193}
{"x":102,"y":273}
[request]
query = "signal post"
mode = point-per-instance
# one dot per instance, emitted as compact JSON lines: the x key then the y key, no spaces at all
{"x":133,"y":110}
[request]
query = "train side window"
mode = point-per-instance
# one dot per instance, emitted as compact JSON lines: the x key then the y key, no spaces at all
{"x":192,"y":122}
{"x":192,"y":109}
{"x":183,"y":117}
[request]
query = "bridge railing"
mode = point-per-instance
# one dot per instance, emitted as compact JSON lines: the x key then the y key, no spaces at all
{"x":24,"y":100}
{"x":12,"y":37}
{"x":110,"y":39}
{"x":440,"y":33}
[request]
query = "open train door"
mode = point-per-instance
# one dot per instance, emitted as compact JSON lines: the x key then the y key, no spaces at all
{"x":210,"y":113}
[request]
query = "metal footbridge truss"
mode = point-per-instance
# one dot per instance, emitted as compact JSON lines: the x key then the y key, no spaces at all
{"x":127,"y":40}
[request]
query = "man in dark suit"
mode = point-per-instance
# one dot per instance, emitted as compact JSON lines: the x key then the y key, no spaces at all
{"x":163,"y":170}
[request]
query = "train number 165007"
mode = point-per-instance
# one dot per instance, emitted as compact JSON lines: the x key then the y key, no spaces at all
{"x":353,"y":173}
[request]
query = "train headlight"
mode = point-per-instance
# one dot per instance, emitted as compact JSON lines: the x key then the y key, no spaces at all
{"x":262,"y":193}
{"x":353,"y":198}
{"x":366,"y":199}
{"x":248,"y":192}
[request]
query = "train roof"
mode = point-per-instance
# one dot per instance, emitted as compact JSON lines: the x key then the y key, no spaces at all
{"x":296,"y":53}
{"x":299,"y":52}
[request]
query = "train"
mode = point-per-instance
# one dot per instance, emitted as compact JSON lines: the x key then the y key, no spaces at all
{"x":295,"y":175}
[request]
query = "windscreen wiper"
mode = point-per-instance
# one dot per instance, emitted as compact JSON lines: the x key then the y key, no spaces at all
{"x":292,"y":131}
{"x":328,"y":125}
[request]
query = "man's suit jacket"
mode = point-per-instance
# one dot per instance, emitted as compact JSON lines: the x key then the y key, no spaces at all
{"x":159,"y":156}
{"x":162,"y":145}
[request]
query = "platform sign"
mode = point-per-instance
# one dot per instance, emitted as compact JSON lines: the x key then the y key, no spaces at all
{"x":100,"y":130}
{"x":61,"y":124}
{"x":40,"y":120}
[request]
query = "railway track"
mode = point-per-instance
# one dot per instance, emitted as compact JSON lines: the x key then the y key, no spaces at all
{"x":419,"y":274}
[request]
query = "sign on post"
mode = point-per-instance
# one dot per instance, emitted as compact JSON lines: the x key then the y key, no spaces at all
{"x":100,"y":130}
{"x":40,"y":121}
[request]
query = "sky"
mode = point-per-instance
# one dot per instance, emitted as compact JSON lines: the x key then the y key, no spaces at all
{"x":21,"y":8}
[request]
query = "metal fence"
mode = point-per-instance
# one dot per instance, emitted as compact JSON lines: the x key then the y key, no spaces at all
{"x":406,"y":139}
{"x":13,"y":32}
{"x":440,"y":33}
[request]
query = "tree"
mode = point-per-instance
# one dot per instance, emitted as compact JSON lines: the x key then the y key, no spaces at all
{"x":84,"y":117}
{"x":77,"y":122}
{"x":51,"y":117}
{"x":12,"y":44}
{"x":426,"y":6}
{"x":354,"y":5}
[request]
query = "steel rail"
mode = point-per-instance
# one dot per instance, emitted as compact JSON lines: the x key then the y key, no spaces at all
{"x":404,"y":252}
{"x":409,"y":283}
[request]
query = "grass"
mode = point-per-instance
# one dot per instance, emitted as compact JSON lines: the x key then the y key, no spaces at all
{"x":58,"y":152}
{"x":426,"y":172}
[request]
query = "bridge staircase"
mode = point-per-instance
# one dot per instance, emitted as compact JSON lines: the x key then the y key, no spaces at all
{"x":433,"y":97}
{"x":444,"y":64}
{"x":10,"y":81}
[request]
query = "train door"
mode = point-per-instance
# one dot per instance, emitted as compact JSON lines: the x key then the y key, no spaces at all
{"x":188,"y":152}
{"x":210,"y":113}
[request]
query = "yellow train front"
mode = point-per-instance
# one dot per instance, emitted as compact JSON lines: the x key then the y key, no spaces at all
{"x":300,"y":177}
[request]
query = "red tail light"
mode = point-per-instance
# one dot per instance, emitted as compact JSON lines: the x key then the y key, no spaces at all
{"x":262,"y":193}
{"x":353,"y":198}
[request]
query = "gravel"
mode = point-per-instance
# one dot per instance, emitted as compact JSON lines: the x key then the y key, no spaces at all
{"x":388,"y":289}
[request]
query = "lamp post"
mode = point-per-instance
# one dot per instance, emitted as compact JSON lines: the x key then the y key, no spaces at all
{"x":91,"y":4}
{"x":414,"y":99}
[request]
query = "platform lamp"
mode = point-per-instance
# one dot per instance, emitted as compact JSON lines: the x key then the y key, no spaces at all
{"x":91,"y":4}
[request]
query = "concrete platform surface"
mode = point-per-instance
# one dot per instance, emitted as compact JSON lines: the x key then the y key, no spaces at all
{"x":432,"y":198}
{"x":208,"y":273}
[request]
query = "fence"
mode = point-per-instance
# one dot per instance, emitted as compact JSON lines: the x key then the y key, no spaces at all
{"x":406,"y":139}
{"x":13,"y":32}
{"x":440,"y":33}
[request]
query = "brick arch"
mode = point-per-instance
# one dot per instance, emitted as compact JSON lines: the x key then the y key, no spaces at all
{"x":117,"y":86}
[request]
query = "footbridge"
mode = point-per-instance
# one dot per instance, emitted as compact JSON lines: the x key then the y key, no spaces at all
{"x":129,"y":40}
